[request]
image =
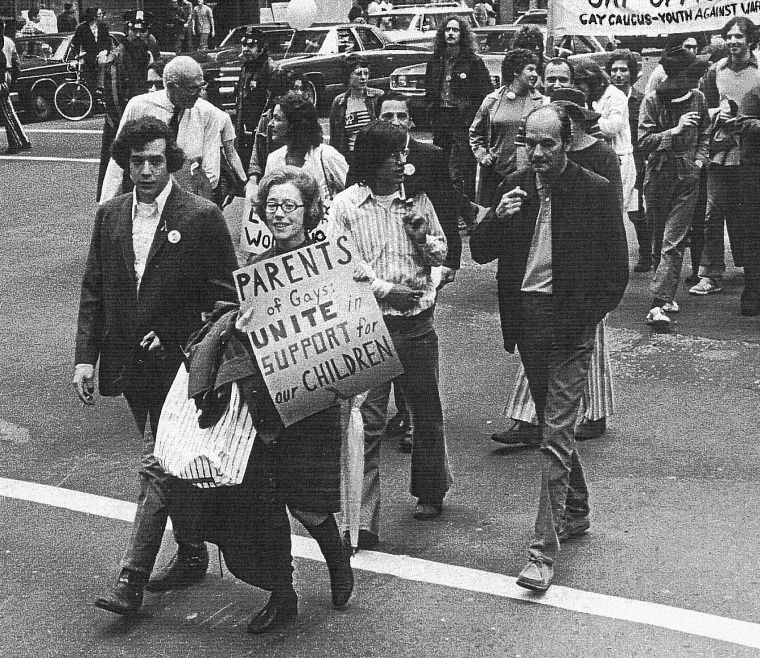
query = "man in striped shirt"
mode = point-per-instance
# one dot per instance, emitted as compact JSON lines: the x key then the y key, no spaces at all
{"x":401,"y":240}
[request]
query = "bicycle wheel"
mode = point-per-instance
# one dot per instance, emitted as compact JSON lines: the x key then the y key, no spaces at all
{"x":73,"y":100}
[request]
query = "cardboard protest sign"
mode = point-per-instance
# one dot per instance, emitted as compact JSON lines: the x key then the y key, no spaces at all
{"x":318,"y":335}
{"x":645,"y":17}
{"x":255,"y":236}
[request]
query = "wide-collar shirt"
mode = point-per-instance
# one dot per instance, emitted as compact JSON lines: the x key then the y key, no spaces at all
{"x":145,"y":220}
{"x":538,"y":271}
{"x":379,"y":235}
{"x":198,"y":137}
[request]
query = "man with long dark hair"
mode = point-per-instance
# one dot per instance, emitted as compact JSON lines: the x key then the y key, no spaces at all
{"x":456,"y":82}
{"x":401,"y":240}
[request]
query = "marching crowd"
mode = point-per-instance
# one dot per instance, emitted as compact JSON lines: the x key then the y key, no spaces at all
{"x":559,"y":155}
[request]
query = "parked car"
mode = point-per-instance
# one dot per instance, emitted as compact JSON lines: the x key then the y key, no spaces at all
{"x":43,"y":68}
{"x":492,"y":42}
{"x":418,"y":25}
{"x":315,"y":52}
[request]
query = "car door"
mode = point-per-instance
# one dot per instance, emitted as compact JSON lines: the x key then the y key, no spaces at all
{"x":381,"y":62}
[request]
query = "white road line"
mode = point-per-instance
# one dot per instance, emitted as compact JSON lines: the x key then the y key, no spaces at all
{"x":435,"y":573}
{"x":48,"y":159}
{"x":69,"y":131}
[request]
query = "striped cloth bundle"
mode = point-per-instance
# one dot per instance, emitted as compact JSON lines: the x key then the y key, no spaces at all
{"x":216,"y":456}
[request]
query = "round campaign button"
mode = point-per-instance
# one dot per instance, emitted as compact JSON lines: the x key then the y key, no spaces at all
{"x":409,"y":169}
{"x":174,"y":237}
{"x":463,"y":75}
{"x":511,"y":95}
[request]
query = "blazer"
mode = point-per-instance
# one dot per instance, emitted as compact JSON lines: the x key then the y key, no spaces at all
{"x":429,"y":173}
{"x":589,"y":250}
{"x":189,"y":268}
{"x":84,"y":41}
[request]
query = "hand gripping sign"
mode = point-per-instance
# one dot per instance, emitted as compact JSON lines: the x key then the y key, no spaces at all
{"x":318,"y":335}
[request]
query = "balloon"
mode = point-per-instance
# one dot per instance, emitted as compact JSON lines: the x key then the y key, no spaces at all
{"x":301,"y":13}
{"x":333,"y":11}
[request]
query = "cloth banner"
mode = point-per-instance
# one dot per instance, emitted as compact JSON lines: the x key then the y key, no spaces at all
{"x":318,"y":335}
{"x":645,"y":17}
{"x":215,"y":456}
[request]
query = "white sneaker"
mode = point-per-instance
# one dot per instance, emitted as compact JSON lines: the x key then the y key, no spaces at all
{"x":705,"y":286}
{"x":657,"y":318}
{"x":670,"y":307}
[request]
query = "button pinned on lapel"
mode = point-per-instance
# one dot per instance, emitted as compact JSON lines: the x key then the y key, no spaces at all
{"x":409,"y":169}
{"x":174,"y":237}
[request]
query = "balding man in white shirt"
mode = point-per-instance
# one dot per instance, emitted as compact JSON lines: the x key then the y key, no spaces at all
{"x":192,"y":120}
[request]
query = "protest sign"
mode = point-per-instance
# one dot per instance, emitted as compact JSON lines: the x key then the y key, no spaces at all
{"x":255,"y":236}
{"x":645,"y":17}
{"x":318,"y":335}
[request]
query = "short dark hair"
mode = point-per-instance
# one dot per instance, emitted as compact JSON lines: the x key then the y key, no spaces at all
{"x":565,"y":124}
{"x":308,"y":187}
{"x":562,"y":61}
{"x":748,"y":28}
{"x":375,"y":143}
{"x":67,"y":6}
{"x":514,"y":62}
{"x":33,"y":12}
{"x":137,"y":133}
{"x":593,"y":75}
{"x":391,"y":96}
{"x":303,"y":122}
{"x":351,"y":62}
{"x":90,"y":14}
{"x":628,"y":57}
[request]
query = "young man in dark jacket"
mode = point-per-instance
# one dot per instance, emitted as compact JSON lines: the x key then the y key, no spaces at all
{"x":456,"y":82}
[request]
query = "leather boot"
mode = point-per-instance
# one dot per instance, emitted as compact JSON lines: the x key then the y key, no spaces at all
{"x":188,"y":566}
{"x":338,"y":558}
{"x":644,"y":238}
{"x":281,"y":608}
{"x":127,"y":597}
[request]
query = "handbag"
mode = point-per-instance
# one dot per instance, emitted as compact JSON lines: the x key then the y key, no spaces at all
{"x":215,"y":456}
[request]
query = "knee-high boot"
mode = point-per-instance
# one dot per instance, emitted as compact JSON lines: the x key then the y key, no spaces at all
{"x":338,"y":558}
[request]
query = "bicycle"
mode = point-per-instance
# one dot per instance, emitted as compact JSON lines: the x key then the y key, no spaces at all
{"x":73,"y":99}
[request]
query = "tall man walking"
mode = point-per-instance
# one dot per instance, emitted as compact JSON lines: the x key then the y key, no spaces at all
{"x":557,"y":232}
{"x":159,"y":258}
{"x":456,"y":82}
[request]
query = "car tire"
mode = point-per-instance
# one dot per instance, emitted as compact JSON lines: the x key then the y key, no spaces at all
{"x":41,"y":106}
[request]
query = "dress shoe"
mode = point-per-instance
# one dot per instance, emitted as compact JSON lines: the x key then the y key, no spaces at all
{"x":188,"y":566}
{"x":536,"y":575}
{"x":425,"y":511}
{"x":127,"y":597}
{"x":573,"y":527}
{"x":520,"y":432}
{"x":590,"y":429}
{"x":367,"y":540}
{"x":281,"y":608}
{"x":405,"y":444}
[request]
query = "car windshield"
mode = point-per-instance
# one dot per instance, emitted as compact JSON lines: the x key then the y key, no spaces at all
{"x":41,"y":49}
{"x":494,"y":42}
{"x":277,"y":40}
{"x":393,"y":22}
{"x":306,"y":42}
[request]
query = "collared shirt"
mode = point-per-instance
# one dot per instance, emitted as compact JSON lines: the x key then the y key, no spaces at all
{"x":94,"y":29}
{"x":198,"y":137}
{"x":145,"y":220}
{"x":381,"y":240}
{"x":538,"y":271}
{"x":614,"y":123}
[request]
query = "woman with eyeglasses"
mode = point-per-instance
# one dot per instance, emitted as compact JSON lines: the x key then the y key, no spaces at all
{"x":295,"y":125}
{"x":297,"y":466}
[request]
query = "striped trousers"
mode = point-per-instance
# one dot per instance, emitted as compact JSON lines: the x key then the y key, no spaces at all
{"x":17,"y":139}
{"x":598,"y":397}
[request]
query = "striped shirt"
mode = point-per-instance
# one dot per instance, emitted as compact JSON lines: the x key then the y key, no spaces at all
{"x":379,"y":235}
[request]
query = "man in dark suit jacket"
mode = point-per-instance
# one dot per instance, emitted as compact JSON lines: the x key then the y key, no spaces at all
{"x":92,"y":42}
{"x":563,"y":265}
{"x":159,"y":258}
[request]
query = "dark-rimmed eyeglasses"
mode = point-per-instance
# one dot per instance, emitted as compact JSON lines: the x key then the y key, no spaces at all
{"x":287,"y":206}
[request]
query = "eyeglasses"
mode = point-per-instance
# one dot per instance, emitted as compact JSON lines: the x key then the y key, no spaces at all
{"x":287,"y":206}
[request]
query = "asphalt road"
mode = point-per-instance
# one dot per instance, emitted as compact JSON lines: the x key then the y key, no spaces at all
{"x":668,"y":569}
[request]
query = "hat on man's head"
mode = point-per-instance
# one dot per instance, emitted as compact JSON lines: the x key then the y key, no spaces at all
{"x":684,"y":71}
{"x":252,"y":37}
{"x":574,"y":101}
{"x":676,"y":60}
{"x":138,"y":19}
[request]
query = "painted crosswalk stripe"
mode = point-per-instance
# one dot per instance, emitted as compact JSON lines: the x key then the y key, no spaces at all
{"x":38,"y":158}
{"x":436,"y":573}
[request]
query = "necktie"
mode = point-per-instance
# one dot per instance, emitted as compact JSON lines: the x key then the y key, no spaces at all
{"x":174,"y":121}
